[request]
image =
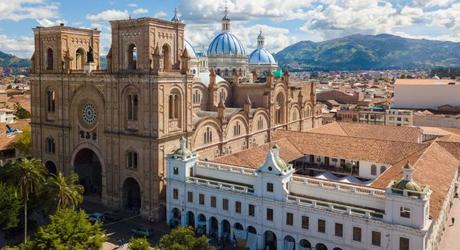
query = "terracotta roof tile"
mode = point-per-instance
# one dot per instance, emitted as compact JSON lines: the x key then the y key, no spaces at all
{"x":361,"y":130}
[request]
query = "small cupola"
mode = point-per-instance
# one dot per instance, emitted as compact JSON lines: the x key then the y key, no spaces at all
{"x":275,"y":164}
{"x":407,"y":182}
{"x":182,"y":151}
{"x":226,"y":21}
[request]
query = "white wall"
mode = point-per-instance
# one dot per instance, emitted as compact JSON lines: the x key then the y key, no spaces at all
{"x":425,"y":96}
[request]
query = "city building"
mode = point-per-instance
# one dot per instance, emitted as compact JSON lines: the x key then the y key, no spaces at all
{"x":371,"y":117}
{"x":426,"y":93}
{"x":115,"y":127}
{"x":399,"y":117}
{"x":310,"y":190}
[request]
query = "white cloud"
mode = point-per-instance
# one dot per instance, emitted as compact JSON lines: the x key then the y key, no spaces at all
{"x":45,"y":22}
{"x":108,"y":15}
{"x":19,"y":46}
{"x":205,"y":10}
{"x":140,"y":11}
{"x":160,"y":14}
{"x":132,"y":5}
{"x":27,"y":9}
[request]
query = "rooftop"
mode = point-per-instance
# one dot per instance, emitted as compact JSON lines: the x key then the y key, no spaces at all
{"x":426,"y":82}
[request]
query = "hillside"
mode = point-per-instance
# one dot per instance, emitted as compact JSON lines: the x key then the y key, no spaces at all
{"x":11,"y":61}
{"x":364,"y":52}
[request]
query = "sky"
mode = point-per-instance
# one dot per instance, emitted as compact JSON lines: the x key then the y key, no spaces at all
{"x":283,"y":22}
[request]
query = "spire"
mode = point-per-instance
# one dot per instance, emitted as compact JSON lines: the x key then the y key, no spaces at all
{"x":176,"y":16}
{"x":225,"y":20}
{"x":260,"y":40}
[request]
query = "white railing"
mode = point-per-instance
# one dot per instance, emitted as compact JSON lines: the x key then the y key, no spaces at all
{"x":340,"y":186}
{"x":224,"y":167}
{"x":220,"y":185}
{"x":335,"y":207}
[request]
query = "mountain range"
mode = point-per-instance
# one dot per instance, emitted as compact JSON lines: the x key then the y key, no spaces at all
{"x":354,"y":52}
{"x":365,"y":52}
{"x":11,"y":61}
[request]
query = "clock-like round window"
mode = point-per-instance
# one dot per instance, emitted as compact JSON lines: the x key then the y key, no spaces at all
{"x":88,"y":114}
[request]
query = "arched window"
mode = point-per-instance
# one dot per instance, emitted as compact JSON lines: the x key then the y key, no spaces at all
{"x":49,"y":59}
{"x":132,"y":57}
{"x":382,"y":169}
{"x":196,"y":97}
{"x":207,"y":136}
{"x":373,"y":170}
{"x":222,"y":95}
{"x":80,"y":59}
{"x":279,"y":109}
{"x":218,"y":72}
{"x":132,"y":107}
{"x":174,"y":105}
{"x":166,"y":52}
{"x":50,"y":100}
{"x":237,"y":129}
{"x":50,"y":145}
{"x":260,"y":123}
{"x":131,"y":159}
{"x":308,"y":111}
{"x":294,"y":115}
{"x":226,"y":72}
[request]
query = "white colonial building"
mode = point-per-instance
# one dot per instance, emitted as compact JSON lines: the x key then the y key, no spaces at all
{"x":257,"y":200}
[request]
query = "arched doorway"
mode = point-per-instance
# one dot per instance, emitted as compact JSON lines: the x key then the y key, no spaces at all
{"x":252,"y":238}
{"x":289,"y":243}
{"x":226,"y":230}
{"x":190,"y":219}
{"x":279,"y":109}
{"x":80,"y":59}
{"x":175,"y":218}
{"x":166,"y":52}
{"x":88,"y":167}
{"x":305,"y":245}
{"x":131,"y":195}
{"x":270,"y":240}
{"x":213,"y":228}
{"x":201,"y":227}
{"x":51,"y":167}
{"x":320,"y":246}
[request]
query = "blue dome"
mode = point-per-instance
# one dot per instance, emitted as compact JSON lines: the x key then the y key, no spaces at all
{"x":261,"y":56}
{"x":190,"y":50}
{"x":226,"y":43}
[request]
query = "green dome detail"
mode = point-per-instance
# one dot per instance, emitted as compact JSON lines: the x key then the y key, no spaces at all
{"x":407,"y":185}
{"x":183,"y":150}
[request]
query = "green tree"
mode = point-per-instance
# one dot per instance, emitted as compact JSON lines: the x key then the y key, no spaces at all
{"x":66,"y":190}
{"x":20,"y":112}
{"x":30,"y":177}
{"x":10,"y":206}
{"x":23,"y":143}
{"x":183,"y":238}
{"x":69,"y":230}
{"x":138,"y":244}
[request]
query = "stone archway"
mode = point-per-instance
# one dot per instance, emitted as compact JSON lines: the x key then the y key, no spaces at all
{"x":131,"y":195}
{"x":89,"y":169}
{"x":51,"y":167}
{"x":270,"y":240}
{"x":213,"y":228}
{"x":320,"y":246}
{"x":190,"y":219}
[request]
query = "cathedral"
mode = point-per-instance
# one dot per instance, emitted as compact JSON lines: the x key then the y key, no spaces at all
{"x":114,"y":126}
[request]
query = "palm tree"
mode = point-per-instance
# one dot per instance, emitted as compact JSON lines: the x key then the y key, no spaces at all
{"x":30,"y":176}
{"x":66,"y":189}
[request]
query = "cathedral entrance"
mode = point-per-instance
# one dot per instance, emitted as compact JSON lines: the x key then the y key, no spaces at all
{"x":131,"y":195}
{"x":88,"y":167}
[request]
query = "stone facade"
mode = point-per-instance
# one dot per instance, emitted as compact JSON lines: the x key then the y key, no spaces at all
{"x":114,"y":127}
